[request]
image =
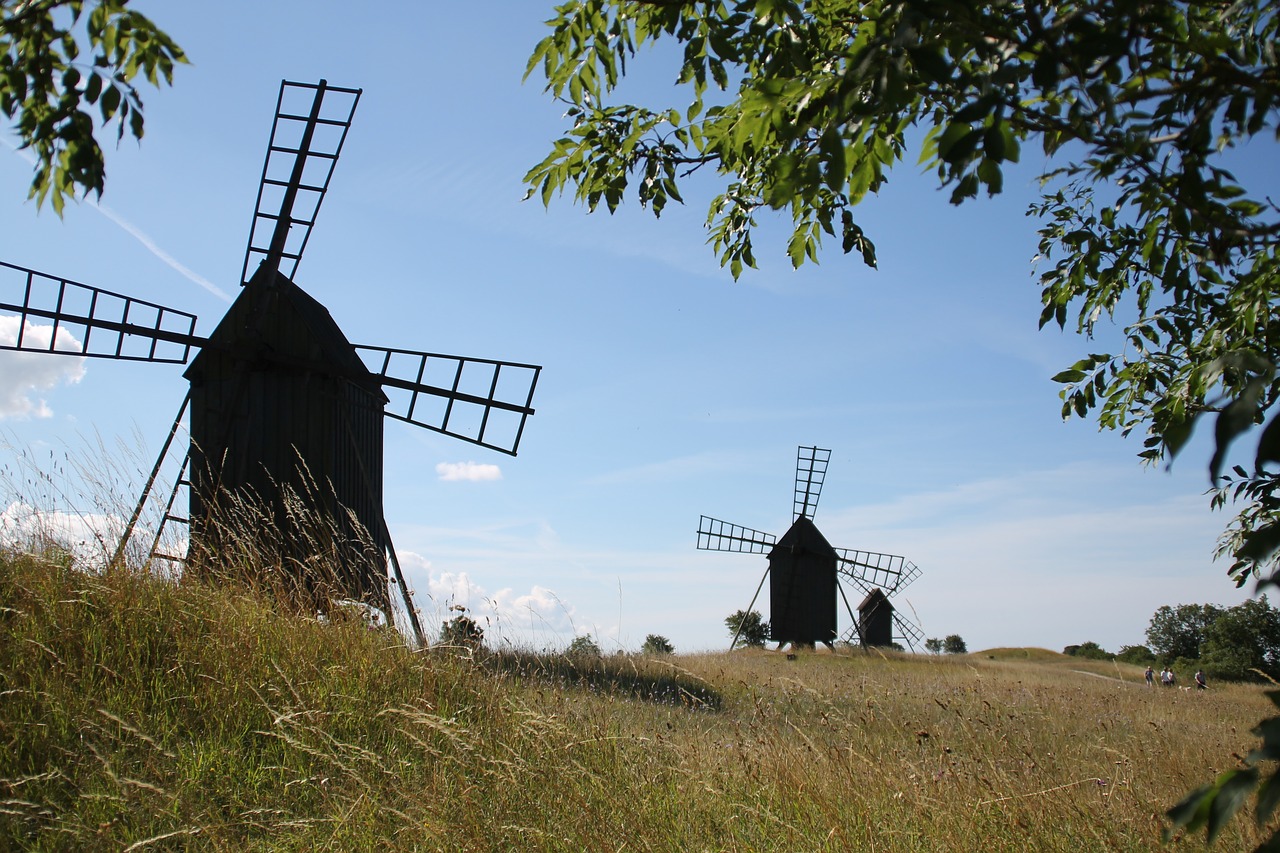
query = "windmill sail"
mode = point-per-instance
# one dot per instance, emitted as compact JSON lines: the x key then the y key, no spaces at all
{"x":479,"y":400}
{"x":811,"y":471}
{"x":310,"y":128}
{"x":907,"y":632}
{"x":805,"y":571}
{"x":716,"y":535}
{"x":63,"y":317}
{"x":870,"y":570}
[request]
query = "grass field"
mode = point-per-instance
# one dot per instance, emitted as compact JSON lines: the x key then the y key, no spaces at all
{"x":140,"y":714}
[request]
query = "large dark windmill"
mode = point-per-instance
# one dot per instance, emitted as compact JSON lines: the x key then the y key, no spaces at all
{"x":280,"y":401}
{"x":804,"y":572}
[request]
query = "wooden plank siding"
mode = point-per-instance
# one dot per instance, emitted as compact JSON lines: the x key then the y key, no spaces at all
{"x":802,"y":586}
{"x":281,"y":402}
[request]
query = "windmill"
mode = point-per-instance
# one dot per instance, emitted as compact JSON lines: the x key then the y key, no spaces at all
{"x":805,"y":572}
{"x":280,"y":402}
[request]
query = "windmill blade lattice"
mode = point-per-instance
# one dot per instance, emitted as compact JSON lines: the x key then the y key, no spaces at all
{"x":89,"y":321}
{"x":811,"y":471}
{"x":870,"y":570}
{"x":479,"y":400}
{"x":310,"y":127}
{"x":717,"y":535}
{"x":907,"y":631}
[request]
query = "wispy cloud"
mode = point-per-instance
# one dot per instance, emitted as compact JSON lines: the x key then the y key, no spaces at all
{"x":673,"y":470}
{"x":165,"y":258}
{"x":474,"y":472}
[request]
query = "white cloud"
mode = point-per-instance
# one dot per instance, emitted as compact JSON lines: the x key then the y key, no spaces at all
{"x":467,"y":471}
{"x":26,"y":373}
{"x":87,"y":536}
{"x":533,"y":619}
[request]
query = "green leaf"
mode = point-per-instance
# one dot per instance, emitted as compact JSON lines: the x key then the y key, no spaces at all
{"x":1268,"y":444}
{"x":1260,"y":543}
{"x":1211,"y":806}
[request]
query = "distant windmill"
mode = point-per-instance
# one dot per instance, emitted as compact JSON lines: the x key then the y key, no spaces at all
{"x":280,"y":400}
{"x":804,"y":572}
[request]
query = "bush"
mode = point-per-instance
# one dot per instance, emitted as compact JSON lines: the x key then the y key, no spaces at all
{"x":584,"y":646}
{"x":750,"y":627}
{"x":1089,"y":651}
{"x":462,"y":632}
{"x":1135,"y":654}
{"x":656,"y":644}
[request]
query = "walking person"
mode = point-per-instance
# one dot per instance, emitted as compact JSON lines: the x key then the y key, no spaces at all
{"x":1150,"y":676}
{"x":1200,"y":682}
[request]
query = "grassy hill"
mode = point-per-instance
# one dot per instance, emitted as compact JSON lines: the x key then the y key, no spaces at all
{"x":140,"y":714}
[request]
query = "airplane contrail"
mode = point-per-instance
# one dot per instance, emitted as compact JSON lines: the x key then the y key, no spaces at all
{"x":134,"y":232}
{"x":164,"y":256}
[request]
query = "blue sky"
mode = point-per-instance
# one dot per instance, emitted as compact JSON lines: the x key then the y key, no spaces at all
{"x":668,"y":390}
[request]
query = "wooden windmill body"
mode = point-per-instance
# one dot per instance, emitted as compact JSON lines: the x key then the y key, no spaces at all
{"x":802,"y":586}
{"x":281,"y":402}
{"x":805,"y":572}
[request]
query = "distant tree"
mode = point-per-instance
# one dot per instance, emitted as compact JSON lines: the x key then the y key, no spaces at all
{"x":933,"y":645}
{"x":55,"y":96}
{"x":1178,"y":632}
{"x":1243,"y":643}
{"x":1135,"y":654}
{"x":584,"y":646}
{"x":462,"y":631}
{"x":1088,"y":650}
{"x":656,"y":644}
{"x":750,"y":628}
{"x":954,"y":645}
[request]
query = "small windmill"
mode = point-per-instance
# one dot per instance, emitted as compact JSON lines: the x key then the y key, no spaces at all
{"x":280,"y":399}
{"x":804,"y":572}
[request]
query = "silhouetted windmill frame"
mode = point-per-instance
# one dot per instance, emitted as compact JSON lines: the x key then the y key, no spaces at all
{"x":804,"y":571}
{"x":278,"y":394}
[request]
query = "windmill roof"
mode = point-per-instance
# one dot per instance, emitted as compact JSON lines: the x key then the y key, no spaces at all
{"x":276,"y":320}
{"x":876,"y":596}
{"x":804,"y":531}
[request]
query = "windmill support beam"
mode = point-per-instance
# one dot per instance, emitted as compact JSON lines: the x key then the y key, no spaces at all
{"x":750,"y":608}
{"x":151,"y":481}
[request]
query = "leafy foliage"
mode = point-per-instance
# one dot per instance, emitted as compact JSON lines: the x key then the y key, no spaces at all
{"x":462,"y":631}
{"x":51,"y":92}
{"x":584,"y":646}
{"x":1178,"y":632}
{"x":749,"y":627}
{"x":1135,"y":655}
{"x":933,"y":645}
{"x":1243,"y":643}
{"x":954,"y":645}
{"x":656,"y":644}
{"x":1136,"y":107}
{"x":1088,"y":650}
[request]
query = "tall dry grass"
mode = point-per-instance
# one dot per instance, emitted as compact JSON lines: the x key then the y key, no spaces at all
{"x":140,"y":713}
{"x":158,"y":712}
